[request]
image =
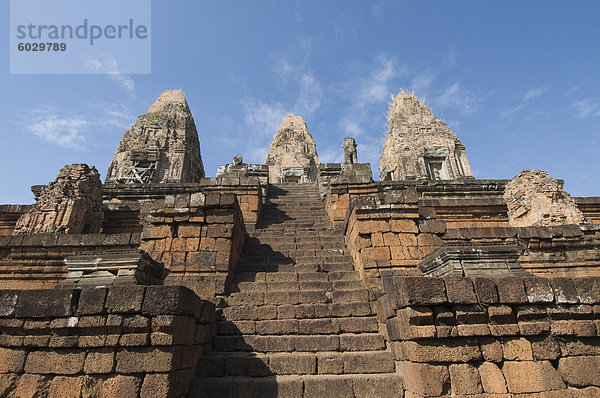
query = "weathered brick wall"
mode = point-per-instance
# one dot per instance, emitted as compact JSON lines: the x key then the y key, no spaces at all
{"x":464,"y":337}
{"x":127,"y":341}
{"x":9,"y":215}
{"x":249,"y":191}
{"x":338,"y":198}
{"x":384,"y":237}
{"x":37,"y":261}
{"x":395,"y":234}
{"x":467,"y":212}
{"x":198,"y":238}
{"x":590,"y":207}
{"x":558,"y":251}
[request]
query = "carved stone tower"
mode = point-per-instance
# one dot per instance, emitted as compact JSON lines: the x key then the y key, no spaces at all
{"x":419,"y":145}
{"x":162,"y":145}
{"x":293,"y":153}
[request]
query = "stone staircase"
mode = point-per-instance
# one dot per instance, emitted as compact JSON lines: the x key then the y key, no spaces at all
{"x":300,"y":322}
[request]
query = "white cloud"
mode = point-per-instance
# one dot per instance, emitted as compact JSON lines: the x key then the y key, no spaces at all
{"x":572,"y":90}
{"x":422,"y":82}
{"x":106,"y":64}
{"x":262,"y":118}
{"x":584,"y":109}
{"x":309,"y":98}
{"x":49,"y":125}
{"x":512,"y":111}
{"x":534,"y":93}
{"x":458,"y":97}
{"x":375,"y":88}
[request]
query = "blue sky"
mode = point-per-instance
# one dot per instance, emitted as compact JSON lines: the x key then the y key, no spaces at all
{"x":517,"y":81}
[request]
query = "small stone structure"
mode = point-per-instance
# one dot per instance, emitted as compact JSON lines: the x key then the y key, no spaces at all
{"x":349,"y":150}
{"x":113,"y":267}
{"x":240,"y":169}
{"x":162,"y":145}
{"x":474,"y":259}
{"x":534,"y":198}
{"x":419,"y":145}
{"x":293,"y":153}
{"x":72,"y":204}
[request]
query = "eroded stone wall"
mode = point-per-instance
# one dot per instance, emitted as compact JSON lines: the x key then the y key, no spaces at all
{"x":127,"y":341}
{"x":198,"y":238}
{"x":467,"y":337}
{"x":37,"y":261}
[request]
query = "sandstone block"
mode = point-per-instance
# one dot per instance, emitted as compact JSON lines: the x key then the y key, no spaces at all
{"x":448,"y":350}
{"x":564,"y":291}
{"x":91,"y":301}
{"x":46,"y":303}
{"x":580,"y":371}
{"x":121,"y":386}
{"x":148,"y":359}
{"x":418,"y":291}
{"x":125,"y":299}
{"x":517,"y":349}
{"x":486,"y":290}
{"x":460,"y":290}
{"x":464,"y":379}
{"x":538,"y":290}
{"x":492,"y":378}
{"x":12,"y":360}
{"x":531,"y":377}
{"x":102,"y":361}
{"x":511,"y":290}
{"x":328,"y":386}
{"x":295,"y":363}
{"x":588,"y":290}
{"x":424,"y":379}
{"x":63,"y":362}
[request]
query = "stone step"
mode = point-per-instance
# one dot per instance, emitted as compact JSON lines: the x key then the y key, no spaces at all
{"x":259,"y":286}
{"x":293,"y":276}
{"x":298,"y":326}
{"x":294,"y":386}
{"x":293,"y":297}
{"x":297,"y":311}
{"x":292,"y":343}
{"x":251,"y":364}
{"x":298,"y":267}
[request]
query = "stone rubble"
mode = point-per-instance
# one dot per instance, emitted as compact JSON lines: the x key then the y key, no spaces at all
{"x":534,"y":198}
{"x":72,"y":204}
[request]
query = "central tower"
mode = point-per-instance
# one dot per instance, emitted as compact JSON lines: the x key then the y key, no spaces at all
{"x":420,"y":146}
{"x":293,"y":153}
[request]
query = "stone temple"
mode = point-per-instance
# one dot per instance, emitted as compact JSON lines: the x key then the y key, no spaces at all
{"x":162,"y":145}
{"x":419,"y":145}
{"x":296,"y":278}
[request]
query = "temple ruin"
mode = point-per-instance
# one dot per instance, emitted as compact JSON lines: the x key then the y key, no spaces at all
{"x":293,"y":153}
{"x":162,"y":145}
{"x":297,"y":278}
{"x":419,"y":145}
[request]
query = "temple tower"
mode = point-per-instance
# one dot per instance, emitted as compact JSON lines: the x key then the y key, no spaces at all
{"x":293,"y":153}
{"x":420,"y":146}
{"x":162,"y":145}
